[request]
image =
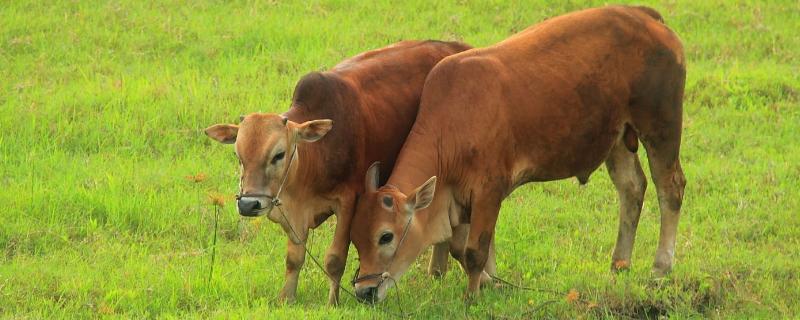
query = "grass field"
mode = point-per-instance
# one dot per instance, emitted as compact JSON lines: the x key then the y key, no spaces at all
{"x":105,"y":174}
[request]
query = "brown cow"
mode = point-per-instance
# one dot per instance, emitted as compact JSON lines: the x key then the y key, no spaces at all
{"x":372,"y":99}
{"x":552,"y":102}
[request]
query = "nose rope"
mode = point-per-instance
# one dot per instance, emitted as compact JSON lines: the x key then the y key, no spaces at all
{"x":275,"y":200}
{"x":386,"y":275}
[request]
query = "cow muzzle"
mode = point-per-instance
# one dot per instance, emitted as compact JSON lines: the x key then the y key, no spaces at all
{"x":252,"y":206}
{"x":371,"y":288}
{"x":368,"y":294}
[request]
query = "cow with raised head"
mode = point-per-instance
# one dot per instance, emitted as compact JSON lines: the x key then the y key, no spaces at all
{"x":554,"y":101}
{"x":312,"y":158}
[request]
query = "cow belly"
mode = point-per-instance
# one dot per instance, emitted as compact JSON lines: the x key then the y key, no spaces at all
{"x":567,"y":129}
{"x":576,"y":152}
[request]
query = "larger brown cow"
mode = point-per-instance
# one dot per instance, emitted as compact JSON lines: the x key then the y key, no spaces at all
{"x":552,"y":102}
{"x":368,"y":103}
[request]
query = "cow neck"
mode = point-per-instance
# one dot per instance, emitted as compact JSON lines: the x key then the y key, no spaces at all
{"x":421,"y":158}
{"x":417,"y":162}
{"x":296,"y":177}
{"x":315,"y":171}
{"x":306,"y":172}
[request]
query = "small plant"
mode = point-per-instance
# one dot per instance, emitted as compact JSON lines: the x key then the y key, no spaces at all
{"x":217,"y":201}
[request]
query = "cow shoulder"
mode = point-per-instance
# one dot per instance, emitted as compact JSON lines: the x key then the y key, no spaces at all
{"x":325,"y":95}
{"x":317,"y":91}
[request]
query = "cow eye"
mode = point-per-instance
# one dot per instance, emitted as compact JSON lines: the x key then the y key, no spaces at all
{"x":278,"y":157}
{"x":386,"y":238}
{"x":388,"y":202}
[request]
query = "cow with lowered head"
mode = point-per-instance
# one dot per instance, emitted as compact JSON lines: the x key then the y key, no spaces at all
{"x":554,"y":101}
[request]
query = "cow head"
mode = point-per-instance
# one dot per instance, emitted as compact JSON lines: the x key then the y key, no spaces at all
{"x":386,"y":235}
{"x":264,"y":144}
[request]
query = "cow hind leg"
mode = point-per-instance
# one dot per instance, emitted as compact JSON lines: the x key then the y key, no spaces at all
{"x":661,"y":137}
{"x":657,"y":112}
{"x":628,"y":178}
{"x":670,"y":182}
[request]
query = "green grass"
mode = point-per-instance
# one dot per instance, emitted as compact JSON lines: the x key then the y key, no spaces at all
{"x":102,"y":105}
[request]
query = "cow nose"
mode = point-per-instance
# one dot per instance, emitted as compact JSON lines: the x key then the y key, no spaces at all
{"x":248,"y":207}
{"x":368,"y":294}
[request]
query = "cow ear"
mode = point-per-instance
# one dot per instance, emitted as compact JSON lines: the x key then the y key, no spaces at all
{"x":224,"y":133}
{"x":313,"y":130}
{"x":373,"y":177}
{"x":422,"y":197}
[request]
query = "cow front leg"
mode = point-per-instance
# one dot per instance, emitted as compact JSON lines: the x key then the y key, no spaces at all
{"x":336,"y":257}
{"x":295,"y":257}
{"x":438,"y":264}
{"x":458,"y":245}
{"x":490,"y":269}
{"x":335,"y":260}
{"x":479,"y":240}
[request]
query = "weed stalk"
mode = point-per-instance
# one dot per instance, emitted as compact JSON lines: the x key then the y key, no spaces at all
{"x":214,"y":243}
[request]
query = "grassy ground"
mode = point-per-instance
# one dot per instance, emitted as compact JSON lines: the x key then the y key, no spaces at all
{"x":102,"y":105}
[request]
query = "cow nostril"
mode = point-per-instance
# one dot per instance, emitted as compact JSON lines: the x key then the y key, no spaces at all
{"x":247,"y":206}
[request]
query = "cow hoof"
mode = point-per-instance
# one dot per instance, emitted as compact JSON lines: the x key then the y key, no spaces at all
{"x":660,"y":273}
{"x":286,"y":298}
{"x":333,"y":301}
{"x":662,"y":267}
{"x":487,"y":281}
{"x":436,"y":273}
{"x":470,"y":297}
{"x":620,"y":266}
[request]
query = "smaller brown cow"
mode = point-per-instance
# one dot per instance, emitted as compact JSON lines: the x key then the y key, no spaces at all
{"x":552,"y":102}
{"x":361,"y":112}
